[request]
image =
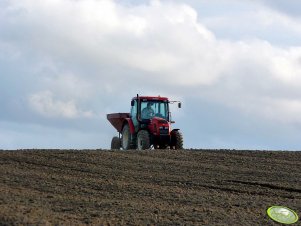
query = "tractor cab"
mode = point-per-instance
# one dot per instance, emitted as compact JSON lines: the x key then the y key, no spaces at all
{"x":146,"y":109}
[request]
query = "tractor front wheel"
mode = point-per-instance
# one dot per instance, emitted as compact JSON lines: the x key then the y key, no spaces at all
{"x":143,"y":140}
{"x":176,"y":140}
{"x":115,"y":144}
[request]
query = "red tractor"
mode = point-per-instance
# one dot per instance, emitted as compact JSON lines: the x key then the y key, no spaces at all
{"x":147,"y":125}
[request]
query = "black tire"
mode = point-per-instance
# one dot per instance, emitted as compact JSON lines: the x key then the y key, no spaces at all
{"x":116,"y":143}
{"x":126,"y":137}
{"x":134,"y":142}
{"x":176,"y":140}
{"x":143,"y":140}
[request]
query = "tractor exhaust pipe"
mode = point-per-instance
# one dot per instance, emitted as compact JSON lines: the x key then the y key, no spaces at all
{"x":138,"y":109}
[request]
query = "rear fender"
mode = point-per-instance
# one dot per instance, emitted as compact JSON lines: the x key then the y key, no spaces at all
{"x":130,"y":123}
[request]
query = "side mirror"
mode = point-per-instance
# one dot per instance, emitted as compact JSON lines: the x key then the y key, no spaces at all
{"x":179,"y":105}
{"x":132,"y":103}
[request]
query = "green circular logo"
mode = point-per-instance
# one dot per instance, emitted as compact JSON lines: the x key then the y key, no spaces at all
{"x":282,"y":214}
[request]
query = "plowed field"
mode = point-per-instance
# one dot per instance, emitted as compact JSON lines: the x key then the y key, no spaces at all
{"x":157,"y":187}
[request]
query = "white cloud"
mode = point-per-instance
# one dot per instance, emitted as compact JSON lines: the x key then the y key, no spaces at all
{"x":45,"y":104}
{"x":158,"y":38}
{"x":286,"y":66}
{"x":251,"y":19}
{"x":66,"y":84}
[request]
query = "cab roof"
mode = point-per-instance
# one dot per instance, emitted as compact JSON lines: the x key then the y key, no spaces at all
{"x":151,"y":98}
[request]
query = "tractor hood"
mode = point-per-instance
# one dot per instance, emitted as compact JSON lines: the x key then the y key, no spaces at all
{"x":159,"y":120}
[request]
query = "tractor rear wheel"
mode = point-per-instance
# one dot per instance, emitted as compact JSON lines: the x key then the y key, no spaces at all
{"x":143,"y":140}
{"x":126,"y":137}
{"x":176,"y":140}
{"x":115,"y":144}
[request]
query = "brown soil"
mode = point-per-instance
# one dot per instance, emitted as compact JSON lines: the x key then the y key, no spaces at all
{"x":190,"y":187}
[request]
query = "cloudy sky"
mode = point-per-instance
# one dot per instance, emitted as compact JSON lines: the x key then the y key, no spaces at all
{"x":235,"y":65}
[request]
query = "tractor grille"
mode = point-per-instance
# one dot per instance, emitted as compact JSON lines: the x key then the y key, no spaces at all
{"x":164,"y":131}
